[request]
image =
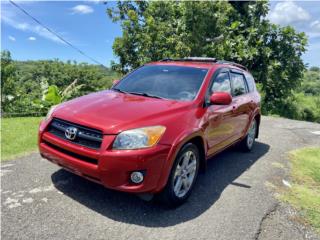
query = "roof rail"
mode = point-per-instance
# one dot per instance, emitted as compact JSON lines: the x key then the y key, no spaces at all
{"x":203,"y":59}
{"x":190,"y":59}
{"x":233,"y":63}
{"x":200,"y":59}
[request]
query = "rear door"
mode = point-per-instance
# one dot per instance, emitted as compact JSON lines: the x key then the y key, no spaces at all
{"x":241,"y":102}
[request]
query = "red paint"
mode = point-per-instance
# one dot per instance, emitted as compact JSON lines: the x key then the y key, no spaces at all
{"x":221,"y":98}
{"x":219,"y":125}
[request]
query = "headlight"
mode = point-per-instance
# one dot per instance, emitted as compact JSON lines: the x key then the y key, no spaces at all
{"x":139,"y":138}
{"x":51,"y":110}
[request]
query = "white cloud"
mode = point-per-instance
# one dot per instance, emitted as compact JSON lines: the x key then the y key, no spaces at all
{"x":82,"y":9}
{"x":315,"y":25}
{"x":286,"y":13}
{"x":11,"y":38}
{"x":26,"y":27}
{"x":32,"y":38}
{"x":95,"y":1}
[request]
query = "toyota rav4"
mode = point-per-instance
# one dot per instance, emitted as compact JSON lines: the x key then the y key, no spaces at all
{"x":154,"y":130}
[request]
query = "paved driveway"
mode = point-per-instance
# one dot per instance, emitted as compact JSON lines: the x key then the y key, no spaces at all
{"x":230,"y":201}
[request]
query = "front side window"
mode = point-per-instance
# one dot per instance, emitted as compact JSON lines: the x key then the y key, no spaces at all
{"x":238,"y":84}
{"x":163,"y":81}
{"x":221,"y":83}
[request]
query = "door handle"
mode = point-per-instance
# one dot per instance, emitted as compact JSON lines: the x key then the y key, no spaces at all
{"x":234,"y":108}
{"x":252,"y":105}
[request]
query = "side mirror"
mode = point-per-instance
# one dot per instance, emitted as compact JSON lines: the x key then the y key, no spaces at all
{"x":114,"y":82}
{"x":220,"y":98}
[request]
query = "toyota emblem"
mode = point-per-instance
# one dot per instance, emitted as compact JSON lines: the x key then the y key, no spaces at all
{"x":71,"y":133}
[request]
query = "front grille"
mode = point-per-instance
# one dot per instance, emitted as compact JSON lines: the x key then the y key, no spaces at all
{"x":72,"y":154}
{"x":86,"y":137}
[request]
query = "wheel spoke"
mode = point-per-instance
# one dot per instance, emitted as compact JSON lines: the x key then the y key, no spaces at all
{"x":178,"y":171}
{"x":178,"y":185}
{"x":191,"y":167}
{"x":185,"y":160}
{"x":186,"y":184}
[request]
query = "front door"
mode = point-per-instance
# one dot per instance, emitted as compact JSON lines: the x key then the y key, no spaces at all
{"x":220,"y":118}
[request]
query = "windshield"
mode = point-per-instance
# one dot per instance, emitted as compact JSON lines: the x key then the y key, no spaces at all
{"x":163,"y":81}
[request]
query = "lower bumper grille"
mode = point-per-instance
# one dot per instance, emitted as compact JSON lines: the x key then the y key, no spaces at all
{"x":72,"y":154}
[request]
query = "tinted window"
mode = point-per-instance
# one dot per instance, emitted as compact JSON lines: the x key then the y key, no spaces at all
{"x":221,"y":83}
{"x":250,"y":81}
{"x":172,"y":82}
{"x":238,"y":84}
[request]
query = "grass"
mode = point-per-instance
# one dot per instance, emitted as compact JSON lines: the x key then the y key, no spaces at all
{"x":304,"y":194}
{"x":18,"y":136}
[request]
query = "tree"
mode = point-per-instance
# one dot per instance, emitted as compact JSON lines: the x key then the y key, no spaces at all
{"x":235,"y":31}
{"x":315,"y":69}
{"x":8,"y":77}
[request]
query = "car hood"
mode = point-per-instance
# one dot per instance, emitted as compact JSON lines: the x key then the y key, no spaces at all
{"x":112,"y":112}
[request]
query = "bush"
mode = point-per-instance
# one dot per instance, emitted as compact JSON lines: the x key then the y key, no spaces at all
{"x":302,"y":104}
{"x":30,"y":88}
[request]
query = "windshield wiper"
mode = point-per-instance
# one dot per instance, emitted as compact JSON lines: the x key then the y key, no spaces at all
{"x":146,"y":94}
{"x":118,"y":90}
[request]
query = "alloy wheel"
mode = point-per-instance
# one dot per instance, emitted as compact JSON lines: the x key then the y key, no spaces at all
{"x":251,"y":134}
{"x":185,"y":173}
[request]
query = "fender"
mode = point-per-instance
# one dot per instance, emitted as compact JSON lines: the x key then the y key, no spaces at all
{"x":258,"y":112}
{"x":255,"y":113}
{"x":175,"y":148}
{"x":42,"y":127}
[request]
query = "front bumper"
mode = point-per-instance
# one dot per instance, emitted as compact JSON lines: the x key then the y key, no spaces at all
{"x":111,"y":168}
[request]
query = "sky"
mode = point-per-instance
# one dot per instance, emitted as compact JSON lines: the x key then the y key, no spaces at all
{"x":86,"y":25}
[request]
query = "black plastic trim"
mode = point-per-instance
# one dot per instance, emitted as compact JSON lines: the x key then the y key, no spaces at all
{"x":72,"y":154}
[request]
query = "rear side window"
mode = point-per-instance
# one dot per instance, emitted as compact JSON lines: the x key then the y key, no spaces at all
{"x":238,"y":84}
{"x":221,"y":83}
{"x":250,"y":81}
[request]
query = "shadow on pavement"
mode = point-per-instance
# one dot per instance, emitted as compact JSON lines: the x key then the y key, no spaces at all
{"x":222,"y":170}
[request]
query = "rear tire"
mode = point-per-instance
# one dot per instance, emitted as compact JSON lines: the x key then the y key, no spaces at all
{"x":247,"y":143}
{"x":182,"y":177}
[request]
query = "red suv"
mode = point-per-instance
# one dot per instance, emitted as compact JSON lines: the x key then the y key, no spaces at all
{"x":154,"y":129}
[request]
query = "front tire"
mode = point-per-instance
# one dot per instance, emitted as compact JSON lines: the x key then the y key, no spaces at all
{"x":182,"y":177}
{"x":247,"y":143}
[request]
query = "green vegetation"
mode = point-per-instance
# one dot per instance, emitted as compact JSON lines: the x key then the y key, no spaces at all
{"x":18,"y":136}
{"x":31,"y":87}
{"x":304,"y":102}
{"x":229,"y":30}
{"x":305,"y":191}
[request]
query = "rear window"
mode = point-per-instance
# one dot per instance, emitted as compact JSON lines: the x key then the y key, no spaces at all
{"x":238,"y":84}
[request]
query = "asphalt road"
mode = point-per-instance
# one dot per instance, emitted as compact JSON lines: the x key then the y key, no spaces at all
{"x":232,"y":200}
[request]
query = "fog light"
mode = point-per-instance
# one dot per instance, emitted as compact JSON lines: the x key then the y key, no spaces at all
{"x":136,"y":177}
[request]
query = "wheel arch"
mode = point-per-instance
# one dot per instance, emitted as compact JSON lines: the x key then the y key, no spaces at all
{"x":258,"y":119}
{"x":196,"y":138}
{"x":199,"y":142}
